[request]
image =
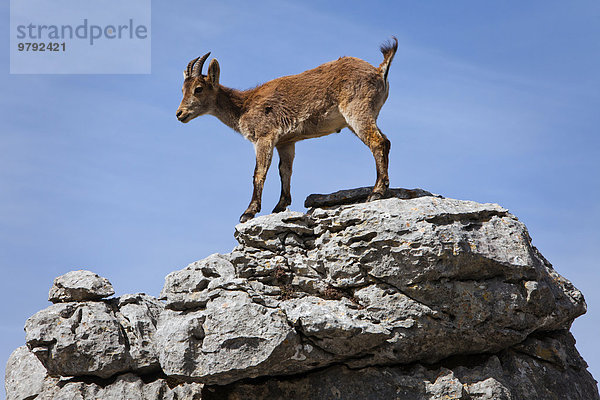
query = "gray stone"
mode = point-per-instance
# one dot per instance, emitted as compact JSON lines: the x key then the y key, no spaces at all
{"x":138,"y":316}
{"x":27,"y":379}
{"x":95,"y":338}
{"x":186,"y":288}
{"x":422,"y":297}
{"x":127,"y":386}
{"x":78,"y":339}
{"x":387,"y":282}
{"x":336,"y":327}
{"x":24,"y":375}
{"x":231,"y":339}
{"x":360,"y":195}
{"x":545,"y":366}
{"x":442,"y":276}
{"x":79,"y":285}
{"x":508,"y":375}
{"x":275,"y":231}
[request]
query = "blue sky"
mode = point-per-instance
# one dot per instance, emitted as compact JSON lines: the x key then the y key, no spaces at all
{"x":489,"y":101}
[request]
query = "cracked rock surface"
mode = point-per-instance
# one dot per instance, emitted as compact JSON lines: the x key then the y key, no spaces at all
{"x":388,"y":282}
{"x":79,"y":285}
{"x":508,"y":375}
{"x":28,"y":379}
{"x":98,"y":338}
{"x":411,"y":297}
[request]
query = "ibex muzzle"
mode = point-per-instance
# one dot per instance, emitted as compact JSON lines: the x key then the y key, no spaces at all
{"x":345,"y":93}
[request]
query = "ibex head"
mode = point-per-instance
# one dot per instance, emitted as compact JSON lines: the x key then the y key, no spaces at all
{"x":199,"y":91}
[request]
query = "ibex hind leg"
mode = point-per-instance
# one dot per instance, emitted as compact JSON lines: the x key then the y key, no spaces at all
{"x":366,"y":129}
{"x":286,"y":159}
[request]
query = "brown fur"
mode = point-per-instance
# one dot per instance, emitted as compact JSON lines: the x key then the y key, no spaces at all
{"x":345,"y":93}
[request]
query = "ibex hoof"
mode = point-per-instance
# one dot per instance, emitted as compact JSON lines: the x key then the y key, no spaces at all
{"x":279,"y":208}
{"x":375,"y":196}
{"x":246,"y":217}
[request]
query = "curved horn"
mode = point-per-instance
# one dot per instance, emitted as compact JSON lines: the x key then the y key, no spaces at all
{"x":188,"y":70}
{"x":197,"y":68}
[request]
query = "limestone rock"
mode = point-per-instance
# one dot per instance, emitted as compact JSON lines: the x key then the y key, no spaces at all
{"x":24,"y":375}
{"x":138,"y":316}
{"x":186,"y":288}
{"x":336,"y":327}
{"x":26,"y":378}
{"x":100,"y":338}
{"x":520,"y":372}
{"x":509,"y":375}
{"x":415,"y":296}
{"x":127,"y":386}
{"x":387,"y":282}
{"x":231,"y":339}
{"x":79,"y":285}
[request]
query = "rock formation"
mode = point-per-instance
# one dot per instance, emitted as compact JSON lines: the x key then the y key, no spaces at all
{"x":411,"y":297}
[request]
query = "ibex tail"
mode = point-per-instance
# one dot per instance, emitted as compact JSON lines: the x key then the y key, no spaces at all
{"x":388,"y":49}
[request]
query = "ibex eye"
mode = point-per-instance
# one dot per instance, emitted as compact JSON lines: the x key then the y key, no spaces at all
{"x":198,"y":90}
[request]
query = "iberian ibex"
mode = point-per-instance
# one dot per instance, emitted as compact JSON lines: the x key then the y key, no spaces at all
{"x":348,"y":92}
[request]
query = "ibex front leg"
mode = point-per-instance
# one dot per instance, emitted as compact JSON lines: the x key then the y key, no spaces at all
{"x":286,"y":159}
{"x":264,"y":153}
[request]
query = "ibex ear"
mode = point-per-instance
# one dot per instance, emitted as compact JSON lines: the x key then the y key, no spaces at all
{"x":214,"y":71}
